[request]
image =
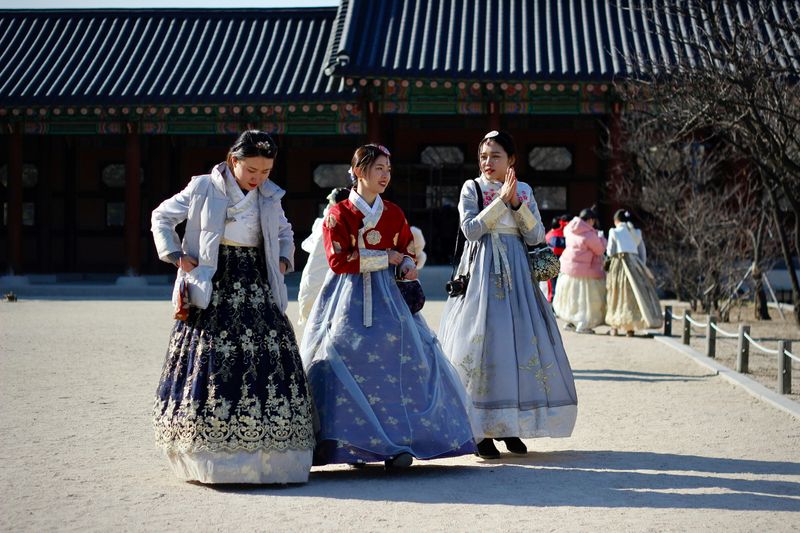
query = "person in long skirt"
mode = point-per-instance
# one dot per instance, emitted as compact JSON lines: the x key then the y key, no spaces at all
{"x":317,"y":265}
{"x":632,"y":302}
{"x":500,"y":334}
{"x":382,"y":387}
{"x":232,"y":404}
{"x":581,"y":297}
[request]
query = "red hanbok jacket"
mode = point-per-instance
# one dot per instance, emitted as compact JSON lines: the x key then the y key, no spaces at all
{"x":346,"y":255}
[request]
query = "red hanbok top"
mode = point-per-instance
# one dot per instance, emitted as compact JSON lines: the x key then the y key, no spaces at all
{"x":355,"y":242}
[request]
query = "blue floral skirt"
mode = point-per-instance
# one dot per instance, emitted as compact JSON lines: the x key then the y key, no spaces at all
{"x":233,"y":404}
{"x":384,"y":389}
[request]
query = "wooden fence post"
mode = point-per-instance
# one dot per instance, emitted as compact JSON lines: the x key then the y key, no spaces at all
{"x":784,"y":368}
{"x":711,"y":337}
{"x":743,"y":351}
{"x":687,"y":327}
{"x":668,"y":321}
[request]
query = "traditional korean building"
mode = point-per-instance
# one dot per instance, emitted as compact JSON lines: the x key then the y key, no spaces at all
{"x":103,"y":114}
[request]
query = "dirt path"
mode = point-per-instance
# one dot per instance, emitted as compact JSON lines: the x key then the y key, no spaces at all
{"x":660,"y":445}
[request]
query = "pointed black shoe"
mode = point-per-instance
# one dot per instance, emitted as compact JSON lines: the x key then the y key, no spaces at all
{"x":515,"y":445}
{"x":402,"y":460}
{"x":487,"y":450}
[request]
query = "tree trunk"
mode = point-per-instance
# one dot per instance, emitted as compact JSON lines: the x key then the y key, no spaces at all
{"x":760,"y":309}
{"x":787,"y":255}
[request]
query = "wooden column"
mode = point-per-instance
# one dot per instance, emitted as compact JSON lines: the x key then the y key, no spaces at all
{"x":44,"y":192}
{"x":133,"y":201}
{"x":615,"y":162}
{"x":15,"y":201}
{"x":373,"y":122}
{"x":494,"y":115}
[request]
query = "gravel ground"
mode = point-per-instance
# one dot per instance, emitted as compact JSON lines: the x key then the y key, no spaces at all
{"x":660,"y":445}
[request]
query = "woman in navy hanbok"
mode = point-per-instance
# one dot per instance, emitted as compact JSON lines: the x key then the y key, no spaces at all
{"x":500,"y":334}
{"x":232,"y":404}
{"x":382,"y":387}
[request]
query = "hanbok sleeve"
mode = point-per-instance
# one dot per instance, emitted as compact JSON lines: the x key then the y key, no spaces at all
{"x":285,"y":240}
{"x":405,"y":245}
{"x":166,"y":217}
{"x":611,"y":247}
{"x":405,"y":241}
{"x":529,"y":221}
{"x":341,"y":247}
{"x":641,"y":248}
{"x":476,"y":221}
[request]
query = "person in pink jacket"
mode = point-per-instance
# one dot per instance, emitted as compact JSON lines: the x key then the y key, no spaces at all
{"x":581,"y":296}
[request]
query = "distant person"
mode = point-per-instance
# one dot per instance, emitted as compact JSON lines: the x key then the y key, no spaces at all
{"x":232,"y":404}
{"x":581,"y":296}
{"x":632,"y":300}
{"x":317,"y":265}
{"x":555,"y":240}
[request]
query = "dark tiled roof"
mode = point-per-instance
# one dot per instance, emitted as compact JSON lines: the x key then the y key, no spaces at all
{"x":514,"y":39}
{"x":166,"y":56}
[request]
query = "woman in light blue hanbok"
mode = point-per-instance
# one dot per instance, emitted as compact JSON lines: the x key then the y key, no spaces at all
{"x":382,"y":387}
{"x":501,"y":334}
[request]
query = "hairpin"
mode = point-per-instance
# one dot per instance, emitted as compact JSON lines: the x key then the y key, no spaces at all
{"x":491,"y":134}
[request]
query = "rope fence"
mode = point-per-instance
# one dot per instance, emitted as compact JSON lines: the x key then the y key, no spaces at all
{"x":783,"y":351}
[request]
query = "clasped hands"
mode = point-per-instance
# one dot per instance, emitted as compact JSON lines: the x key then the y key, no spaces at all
{"x":508,"y":191}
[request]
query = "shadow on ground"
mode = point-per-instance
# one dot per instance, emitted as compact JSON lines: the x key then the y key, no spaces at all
{"x":625,"y":375}
{"x":566,"y":478}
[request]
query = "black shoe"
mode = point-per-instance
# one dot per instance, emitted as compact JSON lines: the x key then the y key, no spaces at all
{"x":487,"y":450}
{"x":514,"y":445}
{"x":402,"y":460}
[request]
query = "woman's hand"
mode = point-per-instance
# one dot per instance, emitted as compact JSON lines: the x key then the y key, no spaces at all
{"x":410,"y":273}
{"x":395,"y":258}
{"x":187,"y":263}
{"x":508,"y":192}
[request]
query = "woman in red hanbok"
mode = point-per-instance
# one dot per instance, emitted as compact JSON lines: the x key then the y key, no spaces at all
{"x":382,"y":387}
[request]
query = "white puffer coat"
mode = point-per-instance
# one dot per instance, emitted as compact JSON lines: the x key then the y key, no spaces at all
{"x":203,"y":204}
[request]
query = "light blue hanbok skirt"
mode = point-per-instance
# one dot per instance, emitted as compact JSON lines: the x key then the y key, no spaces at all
{"x":502,"y":338}
{"x":384,"y":389}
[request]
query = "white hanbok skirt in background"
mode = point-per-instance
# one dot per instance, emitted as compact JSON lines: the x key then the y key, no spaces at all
{"x":580,"y":301}
{"x":632,"y":300}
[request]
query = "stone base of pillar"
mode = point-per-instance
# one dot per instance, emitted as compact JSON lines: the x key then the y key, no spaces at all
{"x":131,"y":281}
{"x":11,"y":281}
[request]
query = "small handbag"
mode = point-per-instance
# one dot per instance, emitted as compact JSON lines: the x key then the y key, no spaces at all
{"x":411,"y":291}
{"x":182,"y":301}
{"x":457,"y":285}
{"x":544,"y":263}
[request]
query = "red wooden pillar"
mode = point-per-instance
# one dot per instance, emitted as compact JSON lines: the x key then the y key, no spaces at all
{"x":615,"y":167}
{"x":373,"y":122}
{"x":494,"y":115}
{"x":133,"y":201}
{"x":15,"y":201}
